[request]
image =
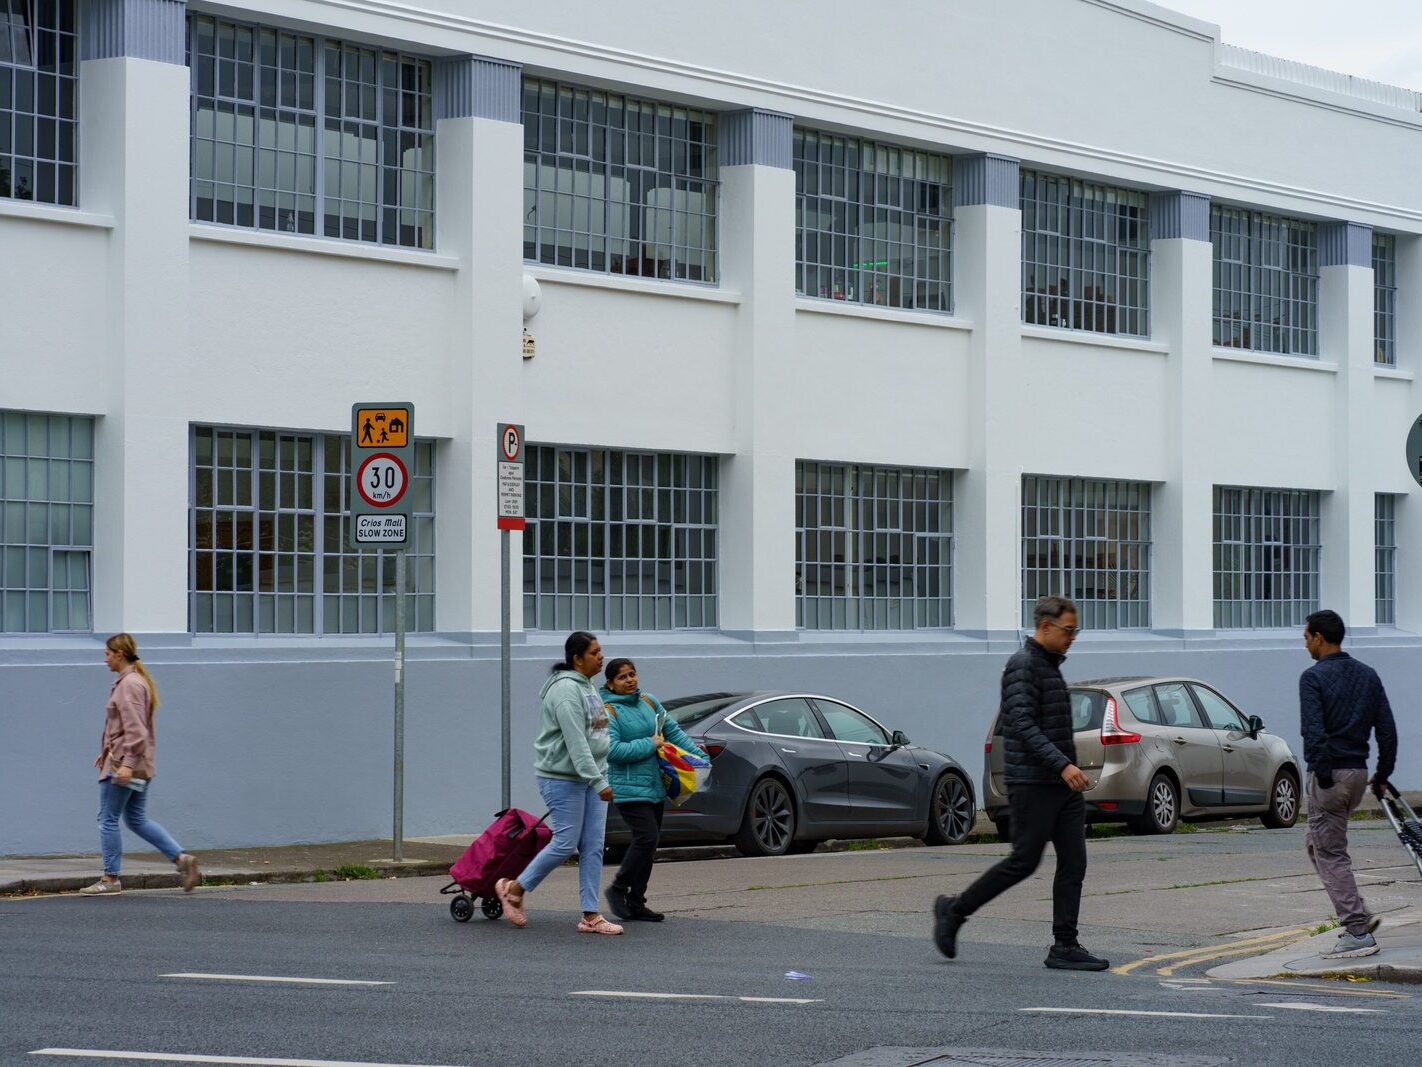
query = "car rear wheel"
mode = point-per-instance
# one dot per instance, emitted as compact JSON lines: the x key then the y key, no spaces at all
{"x":1283,"y":802}
{"x":950,"y":811}
{"x":768,"y":827}
{"x":1162,"y":807}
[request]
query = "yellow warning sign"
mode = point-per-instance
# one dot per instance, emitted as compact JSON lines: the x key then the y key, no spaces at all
{"x":382,"y":427}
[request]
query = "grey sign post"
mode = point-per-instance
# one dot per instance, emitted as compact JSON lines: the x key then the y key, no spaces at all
{"x":1414,"y":450}
{"x":511,"y":517}
{"x":382,"y":466}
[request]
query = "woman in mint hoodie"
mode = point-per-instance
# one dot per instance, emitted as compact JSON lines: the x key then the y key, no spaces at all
{"x":571,"y":767}
{"x":637,"y":726}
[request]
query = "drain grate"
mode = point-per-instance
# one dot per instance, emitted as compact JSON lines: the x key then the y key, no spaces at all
{"x":985,"y":1057}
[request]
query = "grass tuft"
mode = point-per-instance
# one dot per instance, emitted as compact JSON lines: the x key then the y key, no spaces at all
{"x":356,"y":871}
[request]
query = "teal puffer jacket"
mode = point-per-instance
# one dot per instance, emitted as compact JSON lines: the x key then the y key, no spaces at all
{"x":632,"y":768}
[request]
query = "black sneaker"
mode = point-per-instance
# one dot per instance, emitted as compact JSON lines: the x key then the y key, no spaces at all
{"x":946,"y":924}
{"x":617,"y":901}
{"x":642,"y":913}
{"x":1074,"y":958}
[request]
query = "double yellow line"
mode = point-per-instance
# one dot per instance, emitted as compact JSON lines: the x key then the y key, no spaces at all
{"x":1167,"y":963}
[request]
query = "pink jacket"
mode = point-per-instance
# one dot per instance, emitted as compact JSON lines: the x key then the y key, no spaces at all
{"x":128,"y":737}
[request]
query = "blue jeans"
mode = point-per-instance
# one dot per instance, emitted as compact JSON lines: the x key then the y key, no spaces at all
{"x":119,"y":801}
{"x":579,"y":818}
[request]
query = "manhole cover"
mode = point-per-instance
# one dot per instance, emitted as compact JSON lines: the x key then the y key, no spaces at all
{"x":1001,"y":1057}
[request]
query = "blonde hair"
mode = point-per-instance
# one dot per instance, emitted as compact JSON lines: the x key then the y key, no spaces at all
{"x":127,"y":647}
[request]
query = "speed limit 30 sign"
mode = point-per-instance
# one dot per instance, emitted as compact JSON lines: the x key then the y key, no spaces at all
{"x":382,"y":457}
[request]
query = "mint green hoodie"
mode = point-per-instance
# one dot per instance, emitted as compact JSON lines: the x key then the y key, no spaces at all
{"x":572,"y":738}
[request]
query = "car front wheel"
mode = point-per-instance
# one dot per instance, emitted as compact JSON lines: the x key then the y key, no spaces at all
{"x":950,"y":811}
{"x":1283,"y":802}
{"x":768,"y":827}
{"x":1162,"y":807}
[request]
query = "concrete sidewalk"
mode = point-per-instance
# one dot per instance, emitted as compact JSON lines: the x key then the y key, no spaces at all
{"x":1399,"y":958}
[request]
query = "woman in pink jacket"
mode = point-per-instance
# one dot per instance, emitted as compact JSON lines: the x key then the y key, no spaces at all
{"x":125,"y":766}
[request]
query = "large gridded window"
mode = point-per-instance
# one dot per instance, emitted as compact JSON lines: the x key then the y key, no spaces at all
{"x":270,"y":544}
{"x":307,"y":135}
{"x":612,"y":183}
{"x":619,"y":540}
{"x":46,"y":522}
{"x":1085,"y":256}
{"x":1266,"y":547}
{"x":873,"y":223}
{"x":1384,"y":299}
{"x":1265,"y":282}
{"x":1385,"y":557}
{"x":1090,"y":541}
{"x":873,"y":547}
{"x":39,"y":101}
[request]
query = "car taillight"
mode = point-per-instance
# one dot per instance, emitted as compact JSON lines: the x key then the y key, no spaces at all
{"x":713,"y":748}
{"x":987,"y":745}
{"x":1111,"y":732}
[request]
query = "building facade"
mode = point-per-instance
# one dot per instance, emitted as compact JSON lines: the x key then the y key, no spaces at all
{"x":835,"y":350}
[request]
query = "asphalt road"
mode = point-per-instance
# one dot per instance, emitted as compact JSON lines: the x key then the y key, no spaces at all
{"x":98,"y":975}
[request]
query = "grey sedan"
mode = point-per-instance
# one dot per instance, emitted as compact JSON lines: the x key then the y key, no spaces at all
{"x":789,"y":770}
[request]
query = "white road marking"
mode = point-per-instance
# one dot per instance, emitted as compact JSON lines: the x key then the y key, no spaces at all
{"x":242,"y":1061}
{"x":1306,"y":1006}
{"x":690,"y":996}
{"x":1123,"y":1011}
{"x":272,"y":978}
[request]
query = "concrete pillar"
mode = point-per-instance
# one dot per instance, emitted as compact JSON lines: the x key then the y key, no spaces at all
{"x":987,"y":568}
{"x":133,"y":129}
{"x":479,"y":213}
{"x":1182,"y":529}
{"x":757,"y":572}
{"x":1345,"y":322}
{"x":1409,"y":505}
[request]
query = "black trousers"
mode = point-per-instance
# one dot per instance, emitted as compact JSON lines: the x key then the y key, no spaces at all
{"x":1040,"y":814}
{"x":644,"y":819}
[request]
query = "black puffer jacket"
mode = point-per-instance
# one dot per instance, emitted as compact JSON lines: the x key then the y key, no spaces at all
{"x":1036,"y":717}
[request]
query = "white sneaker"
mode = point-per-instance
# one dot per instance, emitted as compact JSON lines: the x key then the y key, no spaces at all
{"x":102,"y":888}
{"x":1351,"y":946}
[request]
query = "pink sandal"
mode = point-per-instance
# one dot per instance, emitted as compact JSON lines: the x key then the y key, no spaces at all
{"x":598,"y":925}
{"x":513,"y":909}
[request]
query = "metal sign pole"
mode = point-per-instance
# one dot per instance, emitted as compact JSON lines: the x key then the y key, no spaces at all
{"x":505,"y":683}
{"x":399,"y":831}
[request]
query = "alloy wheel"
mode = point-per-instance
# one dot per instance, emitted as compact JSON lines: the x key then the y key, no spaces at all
{"x":1162,"y":804}
{"x":1286,"y":798}
{"x":953,"y":808}
{"x":772,"y":818}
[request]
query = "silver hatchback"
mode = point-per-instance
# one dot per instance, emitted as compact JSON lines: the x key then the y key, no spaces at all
{"x":1157,"y":749}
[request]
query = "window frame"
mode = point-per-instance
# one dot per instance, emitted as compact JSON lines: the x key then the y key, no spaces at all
{"x":820,"y":703}
{"x":1077,"y":203}
{"x":1240,"y":724}
{"x":1197,"y":714}
{"x":812,"y":719}
{"x":281,"y":196}
{"x":1261,"y":511}
{"x":1274,"y":261}
{"x":1384,"y":248}
{"x":330,"y":549}
{"x":1080,"y":516}
{"x":857,"y":184}
{"x":570,"y":143}
{"x":1385,"y":559}
{"x":48,"y":121}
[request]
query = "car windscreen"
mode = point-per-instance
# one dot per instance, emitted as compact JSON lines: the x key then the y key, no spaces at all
{"x":1088,"y":708}
{"x":688,"y":711}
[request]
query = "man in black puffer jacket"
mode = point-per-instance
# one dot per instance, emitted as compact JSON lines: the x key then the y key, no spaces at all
{"x":1045,"y":787}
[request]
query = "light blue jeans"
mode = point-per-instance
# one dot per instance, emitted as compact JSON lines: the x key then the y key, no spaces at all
{"x":579,"y":818}
{"x":119,"y":801}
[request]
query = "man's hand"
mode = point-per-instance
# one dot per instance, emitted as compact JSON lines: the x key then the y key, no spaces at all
{"x":1075,"y":779}
{"x":1380,"y":786}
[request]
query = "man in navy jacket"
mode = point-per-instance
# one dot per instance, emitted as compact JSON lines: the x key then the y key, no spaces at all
{"x":1341,"y":703}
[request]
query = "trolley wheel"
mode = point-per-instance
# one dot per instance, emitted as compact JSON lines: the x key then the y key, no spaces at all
{"x":462,"y":908}
{"x":491,"y":907}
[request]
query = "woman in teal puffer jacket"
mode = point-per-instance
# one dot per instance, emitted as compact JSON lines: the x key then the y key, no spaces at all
{"x":637,"y":725}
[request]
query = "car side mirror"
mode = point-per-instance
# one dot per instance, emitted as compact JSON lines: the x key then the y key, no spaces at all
{"x":899,"y":739}
{"x":1256,"y":726}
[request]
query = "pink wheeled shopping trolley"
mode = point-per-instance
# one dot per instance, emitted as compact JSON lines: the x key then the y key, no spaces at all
{"x":501,"y":851}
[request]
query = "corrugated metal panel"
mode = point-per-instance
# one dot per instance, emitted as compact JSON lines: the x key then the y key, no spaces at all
{"x":994,"y":180}
{"x":478,"y":87}
{"x":761,"y":138}
{"x":1179,"y":215}
{"x":1345,"y":244}
{"x":1318,"y":78}
{"x":134,"y":29}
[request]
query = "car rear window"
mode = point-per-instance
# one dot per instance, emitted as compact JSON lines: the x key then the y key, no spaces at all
{"x":1088,"y":708}
{"x":688,"y":711}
